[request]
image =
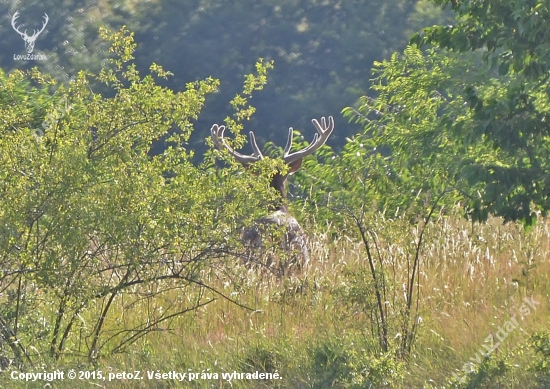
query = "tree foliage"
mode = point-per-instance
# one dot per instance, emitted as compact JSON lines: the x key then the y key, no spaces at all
{"x":400,"y":171}
{"x":322,"y":50}
{"x":89,"y":215}
{"x":469,"y":114}
{"x":508,"y":112}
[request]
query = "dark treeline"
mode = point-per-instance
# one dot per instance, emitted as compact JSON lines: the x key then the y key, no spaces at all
{"x":323,"y":50}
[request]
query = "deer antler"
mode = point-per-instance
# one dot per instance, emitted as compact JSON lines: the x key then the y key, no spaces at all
{"x":320,"y":138}
{"x":323,"y":133}
{"x":13,"y":19}
{"x":43,"y":25}
{"x":217,"y":137}
{"x":35,"y":32}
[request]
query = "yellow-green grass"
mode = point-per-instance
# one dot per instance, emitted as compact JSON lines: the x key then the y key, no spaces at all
{"x":473,"y":279}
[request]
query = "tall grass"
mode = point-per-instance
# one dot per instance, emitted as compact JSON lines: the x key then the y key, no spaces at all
{"x":315,"y":328}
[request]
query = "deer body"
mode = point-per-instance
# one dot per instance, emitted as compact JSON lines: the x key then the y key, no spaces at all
{"x":294,"y":240}
{"x":293,"y":243}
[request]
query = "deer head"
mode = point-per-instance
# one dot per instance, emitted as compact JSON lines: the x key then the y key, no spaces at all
{"x":29,"y":40}
{"x":292,"y":159}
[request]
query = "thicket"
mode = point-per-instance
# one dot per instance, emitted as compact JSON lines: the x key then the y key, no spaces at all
{"x":89,"y":216}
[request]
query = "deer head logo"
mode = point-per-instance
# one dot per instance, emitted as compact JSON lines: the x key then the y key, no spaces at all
{"x":29,"y":40}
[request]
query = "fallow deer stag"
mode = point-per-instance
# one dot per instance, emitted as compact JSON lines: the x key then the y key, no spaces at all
{"x":295,"y":240}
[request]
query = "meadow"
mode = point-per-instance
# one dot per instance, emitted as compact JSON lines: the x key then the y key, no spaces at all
{"x":315,"y":328}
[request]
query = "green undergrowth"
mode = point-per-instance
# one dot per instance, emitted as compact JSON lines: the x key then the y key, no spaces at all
{"x":483,"y":321}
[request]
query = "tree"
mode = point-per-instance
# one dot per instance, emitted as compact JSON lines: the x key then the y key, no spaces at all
{"x":508,"y":112}
{"x":88,"y":215}
{"x":464,"y":125}
{"x":402,"y":170}
{"x":323,"y":50}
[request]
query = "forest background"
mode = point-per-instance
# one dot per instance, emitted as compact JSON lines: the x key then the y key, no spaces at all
{"x":323,"y":51}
